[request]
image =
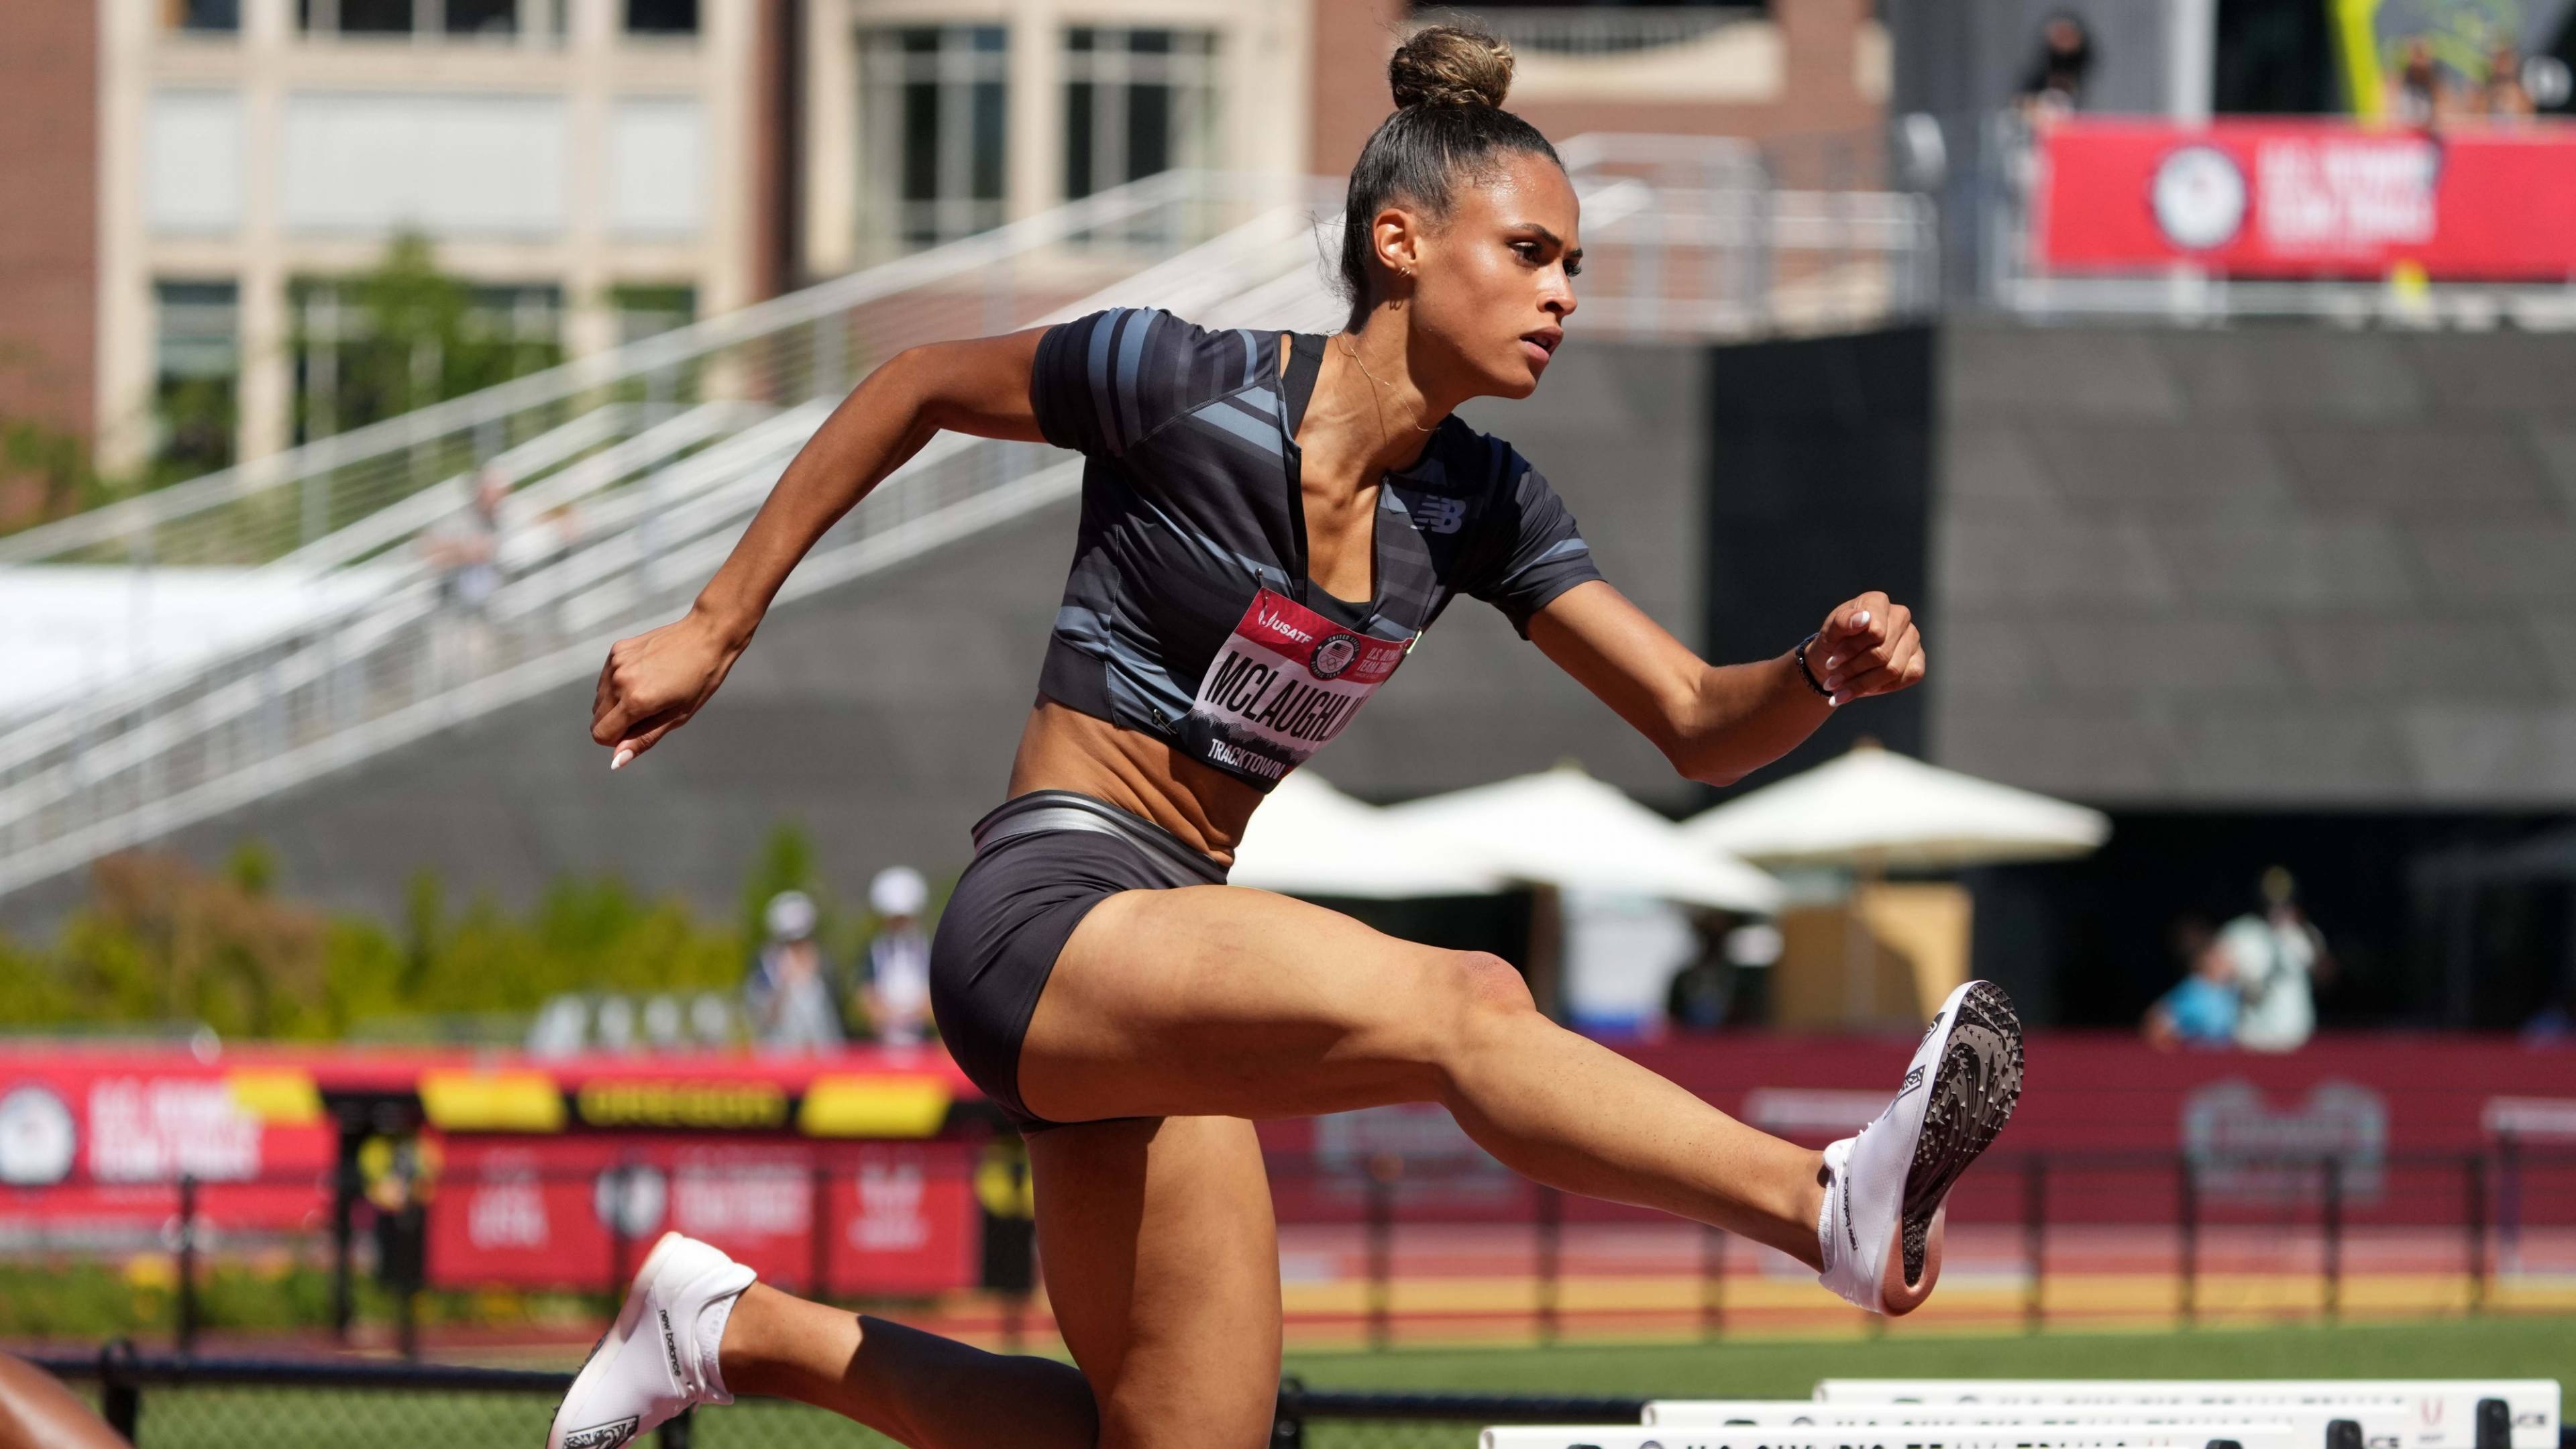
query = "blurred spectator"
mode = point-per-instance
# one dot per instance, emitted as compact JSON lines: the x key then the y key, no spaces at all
{"x":789,"y":991}
{"x":467,"y":554}
{"x":1703,"y":992}
{"x":2417,"y":95}
{"x":2501,"y":97}
{"x":467,"y":551}
{"x":2202,"y":1008}
{"x":898,"y":969}
{"x":2278,"y":958}
{"x":2055,"y":82}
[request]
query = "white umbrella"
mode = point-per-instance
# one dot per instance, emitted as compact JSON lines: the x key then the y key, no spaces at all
{"x":1311,"y":839}
{"x":1565,"y":828}
{"x":1879,"y":809}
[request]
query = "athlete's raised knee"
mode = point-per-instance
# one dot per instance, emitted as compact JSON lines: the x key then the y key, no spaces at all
{"x":1482,"y":999}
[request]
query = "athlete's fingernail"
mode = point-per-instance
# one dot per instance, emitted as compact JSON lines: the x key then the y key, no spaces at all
{"x":1835,"y":700}
{"x":618,"y":760}
{"x":1861,"y":618}
{"x":1834,"y":660}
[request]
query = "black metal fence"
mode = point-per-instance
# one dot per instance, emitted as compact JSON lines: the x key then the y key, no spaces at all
{"x":171,"y":1402}
{"x":1417,"y":1248}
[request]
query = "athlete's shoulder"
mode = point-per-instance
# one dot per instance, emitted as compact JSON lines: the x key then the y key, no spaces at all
{"x":1482,"y":461}
{"x":1107,"y":380}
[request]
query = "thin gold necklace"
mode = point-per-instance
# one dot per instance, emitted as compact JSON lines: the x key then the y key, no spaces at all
{"x":1354,"y":355}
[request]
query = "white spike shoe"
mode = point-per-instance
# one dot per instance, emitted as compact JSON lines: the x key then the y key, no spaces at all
{"x":651,"y":1364}
{"x":1884,"y":1189}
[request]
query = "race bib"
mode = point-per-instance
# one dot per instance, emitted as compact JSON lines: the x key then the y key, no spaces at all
{"x":1284,"y":684}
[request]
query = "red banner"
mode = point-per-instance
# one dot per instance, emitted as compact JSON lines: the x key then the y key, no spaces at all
{"x":92,"y":1147}
{"x":2308,"y":199}
{"x":2380,"y":1104}
{"x":897,"y":1218}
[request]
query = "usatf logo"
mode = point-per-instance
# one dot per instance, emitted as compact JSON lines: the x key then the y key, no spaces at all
{"x":601,"y":1436}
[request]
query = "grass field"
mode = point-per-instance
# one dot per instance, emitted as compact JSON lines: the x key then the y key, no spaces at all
{"x":207,"y":1418}
{"x":2483,"y":1347}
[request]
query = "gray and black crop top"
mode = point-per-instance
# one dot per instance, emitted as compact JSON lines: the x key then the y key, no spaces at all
{"x":1188,"y":615}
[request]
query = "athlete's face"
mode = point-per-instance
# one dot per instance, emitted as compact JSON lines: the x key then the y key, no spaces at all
{"x":1495,"y":281}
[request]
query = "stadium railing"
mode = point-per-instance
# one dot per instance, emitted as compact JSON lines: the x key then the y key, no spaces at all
{"x":1389,"y":1251}
{"x":633,"y":470}
{"x":257,"y":1402}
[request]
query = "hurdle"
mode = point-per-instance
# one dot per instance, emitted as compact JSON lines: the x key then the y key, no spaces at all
{"x":2393,"y":1413}
{"x":1719,"y":1436}
{"x":2310,"y":1428}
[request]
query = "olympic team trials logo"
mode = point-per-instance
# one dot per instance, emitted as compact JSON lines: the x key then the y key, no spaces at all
{"x":1333,"y":656}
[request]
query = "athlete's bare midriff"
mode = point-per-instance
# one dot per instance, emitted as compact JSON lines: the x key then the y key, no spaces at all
{"x":1065,"y":749}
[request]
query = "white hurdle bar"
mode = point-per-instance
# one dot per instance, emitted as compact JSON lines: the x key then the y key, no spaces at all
{"x":2309,"y":1428}
{"x":1669,"y":1436}
{"x":2393,"y":1413}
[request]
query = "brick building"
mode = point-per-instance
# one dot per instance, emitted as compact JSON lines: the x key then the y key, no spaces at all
{"x":198,"y":177}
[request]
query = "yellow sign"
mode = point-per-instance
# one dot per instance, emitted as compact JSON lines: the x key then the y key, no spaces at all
{"x":645,"y":1103}
{"x":278,"y":1096}
{"x":492,"y":1101}
{"x":874,"y":1107}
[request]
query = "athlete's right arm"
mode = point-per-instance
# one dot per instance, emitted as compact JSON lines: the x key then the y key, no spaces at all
{"x":653,"y":682}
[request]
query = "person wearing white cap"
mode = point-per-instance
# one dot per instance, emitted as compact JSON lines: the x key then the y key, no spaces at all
{"x":898,"y":984}
{"x":789,"y":991}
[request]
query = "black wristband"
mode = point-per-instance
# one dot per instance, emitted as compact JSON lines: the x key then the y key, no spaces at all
{"x":1808,"y":674}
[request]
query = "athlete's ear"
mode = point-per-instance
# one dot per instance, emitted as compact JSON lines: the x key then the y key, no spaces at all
{"x":1397,"y":236}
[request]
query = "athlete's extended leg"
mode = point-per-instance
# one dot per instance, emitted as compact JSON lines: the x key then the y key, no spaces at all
{"x":1217,"y":999}
{"x":1220,"y":999}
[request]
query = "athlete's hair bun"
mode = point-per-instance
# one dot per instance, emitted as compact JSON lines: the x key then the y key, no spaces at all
{"x":1446,"y":65}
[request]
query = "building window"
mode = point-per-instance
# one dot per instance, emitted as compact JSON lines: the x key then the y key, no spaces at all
{"x":932,"y":109}
{"x":369,"y":348}
{"x":1136,"y":102}
{"x":651,"y":311}
{"x":468,"y":18}
{"x":201,"y":15}
{"x":662,"y":17}
{"x":196,"y":365}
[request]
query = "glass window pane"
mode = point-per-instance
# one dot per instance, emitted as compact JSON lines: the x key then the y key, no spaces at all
{"x":1149,"y":130}
{"x":920,"y":180}
{"x":1150,"y":42}
{"x":659,"y":17}
{"x":206,"y":15}
{"x":988,"y":141}
{"x":197,"y":358}
{"x":482,"y":17}
{"x":375,"y":17}
{"x":990,"y":39}
{"x":1077,"y":141}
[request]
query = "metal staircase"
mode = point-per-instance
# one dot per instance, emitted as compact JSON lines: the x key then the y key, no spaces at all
{"x":632,"y":472}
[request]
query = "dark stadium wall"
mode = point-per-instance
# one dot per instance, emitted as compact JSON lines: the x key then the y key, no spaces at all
{"x":1819,"y":487}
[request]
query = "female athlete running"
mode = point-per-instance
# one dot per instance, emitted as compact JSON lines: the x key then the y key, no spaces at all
{"x":1268,"y":523}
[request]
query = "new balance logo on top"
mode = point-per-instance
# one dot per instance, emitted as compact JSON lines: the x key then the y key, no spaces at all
{"x":601,"y":1436}
{"x":1439,"y":515}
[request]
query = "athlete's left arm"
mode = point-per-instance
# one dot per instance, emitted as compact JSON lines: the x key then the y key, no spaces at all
{"x":1718,"y":723}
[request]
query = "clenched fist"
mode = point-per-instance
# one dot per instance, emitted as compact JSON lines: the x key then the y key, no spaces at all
{"x":1867,"y":646}
{"x":654,"y":682}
